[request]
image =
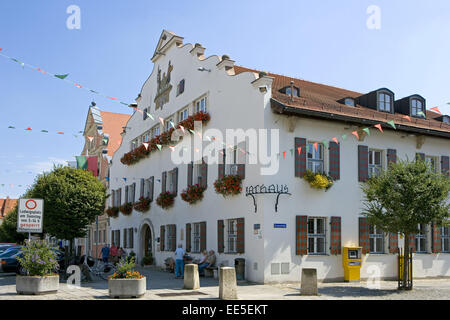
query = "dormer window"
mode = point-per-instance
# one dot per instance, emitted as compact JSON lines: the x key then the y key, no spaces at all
{"x":416,"y":107}
{"x":446,"y":119}
{"x":384,"y":101}
{"x":287,"y":90}
{"x":349,"y":102}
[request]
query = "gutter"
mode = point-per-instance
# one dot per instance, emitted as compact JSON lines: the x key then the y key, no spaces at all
{"x":280,"y":108}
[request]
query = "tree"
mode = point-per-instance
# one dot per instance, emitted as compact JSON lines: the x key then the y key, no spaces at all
{"x":405,"y":195}
{"x":8,"y":229}
{"x":73,"y":198}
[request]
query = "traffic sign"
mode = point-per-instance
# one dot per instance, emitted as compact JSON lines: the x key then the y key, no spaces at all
{"x":30,"y":215}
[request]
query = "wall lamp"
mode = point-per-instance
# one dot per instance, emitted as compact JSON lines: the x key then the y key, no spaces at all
{"x":203,"y":69}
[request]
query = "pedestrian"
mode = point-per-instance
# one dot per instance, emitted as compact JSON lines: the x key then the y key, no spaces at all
{"x":121,"y":253}
{"x":113,"y":253}
{"x":105,"y":253}
{"x":203,"y":263}
{"x":179,"y":261}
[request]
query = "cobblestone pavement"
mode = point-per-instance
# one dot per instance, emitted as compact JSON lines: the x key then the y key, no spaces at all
{"x":159,"y":282}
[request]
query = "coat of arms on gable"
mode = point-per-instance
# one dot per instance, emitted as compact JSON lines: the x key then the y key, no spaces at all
{"x":163,"y":87}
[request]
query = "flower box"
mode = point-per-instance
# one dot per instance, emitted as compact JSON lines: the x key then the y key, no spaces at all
{"x":127,"y":288}
{"x":35,"y":285}
{"x":318,"y":180}
{"x":143,"y":205}
{"x":126,"y":208}
{"x":165,"y":200}
{"x":113,"y":212}
{"x":228,"y":185}
{"x":193,"y":193}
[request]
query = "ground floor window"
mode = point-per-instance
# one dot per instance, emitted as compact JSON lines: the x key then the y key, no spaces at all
{"x":376,"y":239}
{"x":231,"y":235}
{"x":421,"y":239}
{"x":445,"y":235}
{"x":196,"y":237}
{"x":316,"y":236}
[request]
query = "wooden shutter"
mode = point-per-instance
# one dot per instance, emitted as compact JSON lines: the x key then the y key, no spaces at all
{"x":241,"y":159}
{"x":445,"y":165}
{"x":393,"y":242}
{"x":363,"y":163}
{"x":334,"y":159}
{"x":141,"y":192}
{"x":240,"y":239}
{"x":174,"y":237}
{"x":300,"y":158}
{"x":204,"y":174}
{"x":364,"y":230}
{"x":162,"y":237}
{"x":133,"y":193}
{"x":126,"y":194}
{"x":163,"y":181}
{"x":335,"y":247}
{"x":220,"y":236}
{"x":188,"y":237}
{"x":437,"y":238}
{"x":221,"y":165}
{"x":391,"y":156}
{"x":118,"y":238}
{"x":120,"y":197}
{"x":202,"y":236}
{"x":131,"y":238}
{"x":113,"y":198}
{"x":190,"y":170}
{"x":125,"y":238}
{"x":175,"y":181}
{"x":151,"y":187}
{"x":412,"y":242}
{"x":420,"y":156}
{"x":301,"y":235}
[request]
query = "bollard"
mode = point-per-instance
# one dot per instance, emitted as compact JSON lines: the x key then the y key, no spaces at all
{"x":309,"y":282}
{"x":227,"y":283}
{"x":191,"y":278}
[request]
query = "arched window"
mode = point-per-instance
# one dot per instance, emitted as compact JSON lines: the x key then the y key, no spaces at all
{"x":384,"y":101}
{"x":416,"y":107}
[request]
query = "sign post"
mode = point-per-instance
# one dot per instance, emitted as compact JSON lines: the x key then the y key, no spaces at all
{"x":30,"y":216}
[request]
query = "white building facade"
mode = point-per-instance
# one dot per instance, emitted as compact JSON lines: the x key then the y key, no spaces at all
{"x":278,"y":223}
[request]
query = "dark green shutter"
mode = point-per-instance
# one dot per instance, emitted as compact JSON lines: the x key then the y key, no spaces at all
{"x":190,"y":169}
{"x":221,"y":165}
{"x":202,"y":236}
{"x":163,"y":181}
{"x":240,"y":240}
{"x":335,"y":247}
{"x":162,"y":237}
{"x":188,"y":237}
{"x":175,"y":181}
{"x":364,"y":234}
{"x":301,"y":235}
{"x":334,"y":159}
{"x":300,"y":158}
{"x":204,"y":174}
{"x":220,"y":236}
{"x":363,"y":163}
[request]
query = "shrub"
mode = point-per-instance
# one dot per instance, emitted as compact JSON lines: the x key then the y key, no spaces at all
{"x":147,"y":260}
{"x":143,"y":205}
{"x":125,"y":270}
{"x":126,"y":208}
{"x":165,"y":200}
{"x":38,"y":259}
{"x":193,"y":193}
{"x":228,"y":185}
{"x":318,"y":180}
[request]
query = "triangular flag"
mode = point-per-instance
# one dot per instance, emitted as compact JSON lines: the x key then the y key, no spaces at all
{"x":11,"y":127}
{"x":355,"y":133}
{"x":28,"y":129}
{"x":172,"y":148}
{"x":145,"y":145}
{"x":335,"y":139}
{"x":159,"y":146}
{"x":436,"y":109}
{"x":77,"y":85}
{"x":182,"y":129}
{"x":44,"y":131}
{"x":171,"y":124}
{"x":162,"y":120}
{"x":112,"y":98}
{"x":420,"y":113}
{"x":299,"y":150}
{"x":284,"y":154}
{"x":61,"y":76}
{"x":90,"y":138}
{"x":60,"y":133}
{"x":125,"y":104}
{"x":292,"y":152}
{"x":366,"y":130}
{"x":392,"y":124}
{"x":42,"y":71}
{"x":325,"y":143}
{"x":95,"y":92}
{"x":379,"y":127}
{"x":124,"y":179}
{"x":344,"y":136}
{"x":407,"y":118}
{"x":150,"y":116}
{"x":315,"y":144}
{"x":192,"y":131}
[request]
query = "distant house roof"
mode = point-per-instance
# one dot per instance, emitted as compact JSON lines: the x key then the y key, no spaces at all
{"x":112,"y":125}
{"x":6,"y":206}
{"x":319,"y":100}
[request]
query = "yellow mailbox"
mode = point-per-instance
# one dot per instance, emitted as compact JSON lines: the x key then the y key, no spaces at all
{"x":351,"y":260}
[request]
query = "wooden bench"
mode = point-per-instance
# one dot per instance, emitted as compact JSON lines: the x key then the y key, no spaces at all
{"x":209,"y":271}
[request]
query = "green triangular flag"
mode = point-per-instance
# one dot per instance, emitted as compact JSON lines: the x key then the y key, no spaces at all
{"x":61,"y":76}
{"x":150,"y":116}
{"x":94,"y":91}
{"x":81,"y":162}
{"x":159,"y":146}
{"x":325,"y":143}
{"x":192,"y":131}
{"x":105,"y":141}
{"x":171,"y":123}
{"x":125,"y":104}
{"x":292,"y":152}
{"x":420,"y":113}
{"x":11,"y":127}
{"x":344,"y":136}
{"x":75,"y":136}
{"x":21,"y":63}
{"x":366,"y":130}
{"x":392,"y":124}
{"x":44,"y":131}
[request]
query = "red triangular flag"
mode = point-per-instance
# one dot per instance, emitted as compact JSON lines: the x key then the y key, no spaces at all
{"x":299,"y":150}
{"x":407,"y":118}
{"x":315,"y":144}
{"x":60,"y":132}
{"x":379,"y":127}
{"x":90,"y":138}
{"x":335,"y":139}
{"x":284,"y":154}
{"x":28,"y":129}
{"x":355,"y":133}
{"x":436,"y":109}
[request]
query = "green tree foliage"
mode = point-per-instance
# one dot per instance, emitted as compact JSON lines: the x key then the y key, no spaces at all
{"x":73,"y":198}
{"x":407,"y":194}
{"x":8,"y":229}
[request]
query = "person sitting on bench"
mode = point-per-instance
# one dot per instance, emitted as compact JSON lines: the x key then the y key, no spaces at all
{"x":203,"y":263}
{"x":211,"y":260}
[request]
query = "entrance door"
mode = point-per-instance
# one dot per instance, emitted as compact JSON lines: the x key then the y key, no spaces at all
{"x":147,"y":241}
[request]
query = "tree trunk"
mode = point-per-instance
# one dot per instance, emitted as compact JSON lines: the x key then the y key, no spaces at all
{"x":406,"y":263}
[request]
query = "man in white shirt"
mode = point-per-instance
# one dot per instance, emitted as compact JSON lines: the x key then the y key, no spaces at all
{"x":179,"y":261}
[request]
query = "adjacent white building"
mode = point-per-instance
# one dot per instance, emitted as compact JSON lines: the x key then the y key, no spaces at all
{"x":278,"y":223}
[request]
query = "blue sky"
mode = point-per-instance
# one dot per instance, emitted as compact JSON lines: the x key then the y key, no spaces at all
{"x":322,"y":41}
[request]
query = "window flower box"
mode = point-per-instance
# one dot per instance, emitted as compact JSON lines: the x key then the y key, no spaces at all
{"x":126,"y":208}
{"x":193,"y":193}
{"x":228,"y":185}
{"x":165,"y":200}
{"x":143,"y":205}
{"x":112,"y":212}
{"x":318,"y":180}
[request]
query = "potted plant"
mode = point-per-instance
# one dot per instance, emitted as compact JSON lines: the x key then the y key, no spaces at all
{"x":193,"y":193}
{"x":40,"y":265}
{"x":228,"y":185}
{"x":147,"y":260}
{"x":112,"y":212}
{"x":143,"y":205}
{"x":165,"y":200}
{"x":318,"y":180}
{"x":126,"y":208}
{"x":126,"y":282}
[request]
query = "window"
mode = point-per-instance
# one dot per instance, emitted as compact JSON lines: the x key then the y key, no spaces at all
{"x":144,"y":113}
{"x":168,"y":124}
{"x":315,"y":157}
{"x":446,"y":119}
{"x":146,"y":137}
{"x":375,"y":165}
{"x":231,"y":235}
{"x":416,"y":107}
{"x":200,"y":105}
{"x":170,"y":238}
{"x":294,"y":91}
{"x":196,"y":237}
{"x":433,"y":162}
{"x":196,"y":174}
{"x":349,"y":102}
{"x":232,"y":160}
{"x":155,"y":131}
{"x":134,"y":144}
{"x":180,"y":87}
{"x":445,"y":236}
{"x":316,"y":236}
{"x":183,"y":114}
{"x":384,"y":102}
{"x":169,"y":182}
{"x":376,"y":239}
{"x":421,"y":238}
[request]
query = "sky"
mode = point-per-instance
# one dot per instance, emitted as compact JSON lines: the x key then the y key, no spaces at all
{"x":324,"y":41}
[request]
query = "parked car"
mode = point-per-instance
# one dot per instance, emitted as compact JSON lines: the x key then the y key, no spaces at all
{"x":9,"y":262}
{"x":6,"y":246}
